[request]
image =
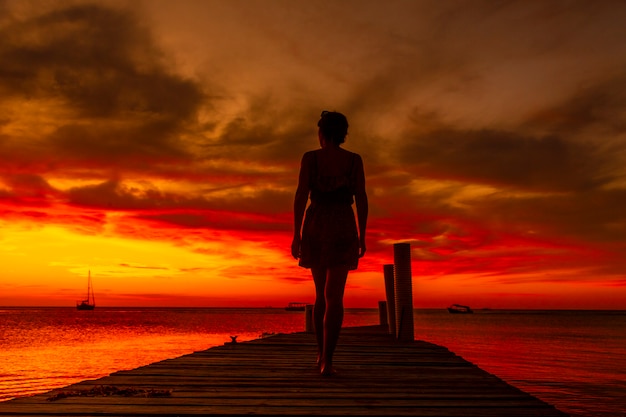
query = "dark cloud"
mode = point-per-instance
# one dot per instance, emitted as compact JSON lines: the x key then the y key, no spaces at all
{"x":547,"y":186}
{"x":30,"y":186}
{"x":597,"y":108}
{"x":267,"y":132}
{"x":27,"y":190}
{"x":115,"y":195}
{"x":504,"y":158}
{"x":218,"y":220}
{"x":102,"y":61}
{"x":103,"y":66}
{"x":559,"y":173}
{"x":592,"y":216}
{"x":19,"y":212}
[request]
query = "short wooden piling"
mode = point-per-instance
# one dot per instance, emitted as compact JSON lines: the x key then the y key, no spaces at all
{"x":382,"y":313}
{"x":390,"y":296}
{"x":309,"y":324}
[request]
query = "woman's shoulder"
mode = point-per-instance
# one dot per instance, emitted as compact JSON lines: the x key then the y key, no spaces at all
{"x":355,"y":156}
{"x":351,"y":153}
{"x":309,"y":156}
{"x":346,"y":153}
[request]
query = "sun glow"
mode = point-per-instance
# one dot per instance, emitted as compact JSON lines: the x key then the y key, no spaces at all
{"x":121,"y":265}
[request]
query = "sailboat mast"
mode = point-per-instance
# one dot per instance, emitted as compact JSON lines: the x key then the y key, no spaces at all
{"x":90,"y":297}
{"x":93,"y":298}
{"x":88,"y":284}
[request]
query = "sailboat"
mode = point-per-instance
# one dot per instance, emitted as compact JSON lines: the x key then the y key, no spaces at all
{"x":90,"y":302}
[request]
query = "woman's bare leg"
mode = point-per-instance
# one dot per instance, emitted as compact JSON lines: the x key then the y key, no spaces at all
{"x":319,"y":278}
{"x":333,"y":319}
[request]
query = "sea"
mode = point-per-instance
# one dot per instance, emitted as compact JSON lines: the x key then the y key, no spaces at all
{"x":574,"y":360}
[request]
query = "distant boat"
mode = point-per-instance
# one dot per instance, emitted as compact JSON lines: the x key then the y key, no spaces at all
{"x":460,"y":309}
{"x":296,"y":307}
{"x":90,"y":302}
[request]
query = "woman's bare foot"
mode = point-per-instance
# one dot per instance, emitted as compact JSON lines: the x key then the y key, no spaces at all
{"x":328,"y":372}
{"x":327,"y":369}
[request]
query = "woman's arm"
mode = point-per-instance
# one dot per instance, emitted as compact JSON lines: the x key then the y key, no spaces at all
{"x":299,"y":204}
{"x":360,"y":199}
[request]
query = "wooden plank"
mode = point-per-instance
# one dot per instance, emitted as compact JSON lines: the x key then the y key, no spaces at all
{"x":277,"y":376}
{"x":364,"y":410}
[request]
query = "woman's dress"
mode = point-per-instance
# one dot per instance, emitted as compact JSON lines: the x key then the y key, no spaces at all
{"x":329,"y":233}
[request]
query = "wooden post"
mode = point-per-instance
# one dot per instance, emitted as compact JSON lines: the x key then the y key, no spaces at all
{"x":382,"y":313}
{"x":391,"y":297}
{"x":403,"y":291}
{"x":308,"y":318}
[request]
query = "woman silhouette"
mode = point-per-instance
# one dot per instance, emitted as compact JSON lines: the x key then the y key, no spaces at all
{"x":328,"y":242}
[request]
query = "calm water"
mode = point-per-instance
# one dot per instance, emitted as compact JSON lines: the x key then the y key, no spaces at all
{"x":573,"y":359}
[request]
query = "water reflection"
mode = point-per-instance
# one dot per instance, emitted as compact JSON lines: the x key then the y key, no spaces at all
{"x":575,"y":360}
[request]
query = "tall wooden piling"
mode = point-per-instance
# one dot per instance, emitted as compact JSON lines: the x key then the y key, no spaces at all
{"x":403,"y":291}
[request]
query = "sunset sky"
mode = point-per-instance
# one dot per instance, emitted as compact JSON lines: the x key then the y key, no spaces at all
{"x":157,"y":144}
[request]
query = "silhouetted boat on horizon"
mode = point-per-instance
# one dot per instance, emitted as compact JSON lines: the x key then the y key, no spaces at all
{"x":90,"y":302}
{"x":296,"y":307}
{"x":460,"y":309}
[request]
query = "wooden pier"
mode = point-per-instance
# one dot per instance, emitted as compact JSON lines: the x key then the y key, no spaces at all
{"x":377,"y":376}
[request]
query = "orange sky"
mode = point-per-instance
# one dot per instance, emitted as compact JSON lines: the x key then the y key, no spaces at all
{"x":156,"y":144}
